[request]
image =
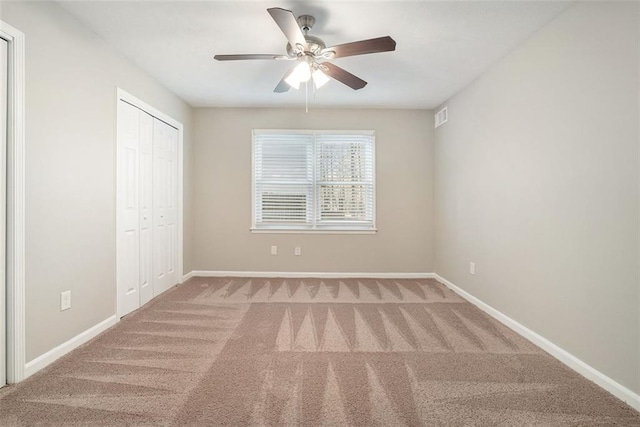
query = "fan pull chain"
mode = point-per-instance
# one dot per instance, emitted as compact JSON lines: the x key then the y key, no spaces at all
{"x":306,"y":96}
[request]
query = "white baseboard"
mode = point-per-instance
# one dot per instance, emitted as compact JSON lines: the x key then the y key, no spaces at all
{"x":613,"y":387}
{"x":305,"y":274}
{"x":52,"y":355}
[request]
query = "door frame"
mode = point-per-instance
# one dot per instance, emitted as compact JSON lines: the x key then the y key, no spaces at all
{"x":15,"y":279}
{"x":122,"y":95}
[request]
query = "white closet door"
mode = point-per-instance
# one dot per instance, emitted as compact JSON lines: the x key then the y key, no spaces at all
{"x":146,"y":205}
{"x":128,"y":232}
{"x":172,"y":206}
{"x":3,"y":192}
{"x":165,"y":228}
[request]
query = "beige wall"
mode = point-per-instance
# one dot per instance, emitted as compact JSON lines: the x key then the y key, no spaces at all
{"x":71,"y":80}
{"x":222,"y":194}
{"x":537,"y":183}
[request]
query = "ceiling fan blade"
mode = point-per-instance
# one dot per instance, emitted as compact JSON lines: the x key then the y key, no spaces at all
{"x":362,"y":47}
{"x":289,"y":26}
{"x":342,"y":76}
{"x":250,"y":56}
{"x":282,"y":85}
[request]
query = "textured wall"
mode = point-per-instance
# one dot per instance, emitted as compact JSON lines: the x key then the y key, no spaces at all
{"x":71,"y":80}
{"x":537,"y":183}
{"x":222,"y":195}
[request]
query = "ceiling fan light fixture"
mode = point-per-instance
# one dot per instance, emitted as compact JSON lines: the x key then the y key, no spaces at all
{"x":293,"y":82}
{"x":311,"y":53}
{"x":319,"y":78}
{"x":300,"y":74}
{"x":303,"y":71}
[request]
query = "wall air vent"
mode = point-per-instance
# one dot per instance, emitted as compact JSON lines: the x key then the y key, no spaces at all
{"x":441,"y":117}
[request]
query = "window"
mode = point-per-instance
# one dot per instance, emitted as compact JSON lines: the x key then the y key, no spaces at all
{"x":313,"y":181}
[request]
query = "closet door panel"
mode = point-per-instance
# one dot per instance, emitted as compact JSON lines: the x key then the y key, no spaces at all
{"x":165,"y":140}
{"x":172,"y":204}
{"x":146,"y":207}
{"x":159,"y":176}
{"x":4,"y":80}
{"x":128,"y":232}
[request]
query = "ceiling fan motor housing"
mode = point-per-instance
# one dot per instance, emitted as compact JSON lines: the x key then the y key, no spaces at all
{"x":306,"y":22}
{"x":314,"y":44}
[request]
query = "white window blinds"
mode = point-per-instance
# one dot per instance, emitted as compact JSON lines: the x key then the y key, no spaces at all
{"x":283,"y":178}
{"x":313,"y":180}
{"x":344,"y":179}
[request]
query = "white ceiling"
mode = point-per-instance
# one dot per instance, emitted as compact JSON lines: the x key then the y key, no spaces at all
{"x":441,"y":46}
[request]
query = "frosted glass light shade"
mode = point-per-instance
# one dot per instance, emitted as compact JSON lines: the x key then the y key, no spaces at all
{"x":302,"y":73}
{"x":319,"y":78}
{"x":293,"y":81}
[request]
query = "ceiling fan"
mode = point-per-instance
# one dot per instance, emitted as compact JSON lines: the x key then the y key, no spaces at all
{"x":312,"y":54}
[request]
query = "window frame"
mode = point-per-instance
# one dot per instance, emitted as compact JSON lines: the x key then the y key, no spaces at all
{"x":314,"y":229}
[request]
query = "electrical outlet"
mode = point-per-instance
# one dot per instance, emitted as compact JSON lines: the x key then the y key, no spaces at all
{"x":274,"y":250}
{"x":65,"y":300}
{"x":472,"y":267}
{"x":297,"y":250}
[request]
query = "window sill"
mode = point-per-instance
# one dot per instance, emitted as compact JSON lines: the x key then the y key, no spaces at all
{"x":310,"y":231}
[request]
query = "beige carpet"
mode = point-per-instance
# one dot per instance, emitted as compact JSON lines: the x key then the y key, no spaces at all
{"x":221,"y":351}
